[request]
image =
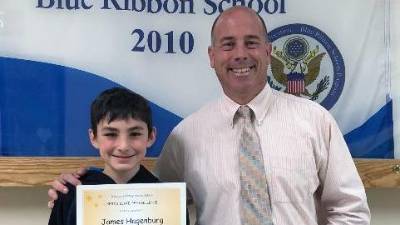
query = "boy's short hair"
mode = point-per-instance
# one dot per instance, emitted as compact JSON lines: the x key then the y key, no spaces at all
{"x":119,"y":103}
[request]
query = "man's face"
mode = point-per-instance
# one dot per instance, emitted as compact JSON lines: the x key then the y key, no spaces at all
{"x":240,"y":54}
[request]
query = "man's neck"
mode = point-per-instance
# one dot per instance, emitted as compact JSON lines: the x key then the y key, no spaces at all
{"x":245,"y":97}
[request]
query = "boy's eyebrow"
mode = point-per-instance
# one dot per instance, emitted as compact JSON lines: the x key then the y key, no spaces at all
{"x":136,"y":128}
{"x":109,"y":129}
{"x":115,"y":129}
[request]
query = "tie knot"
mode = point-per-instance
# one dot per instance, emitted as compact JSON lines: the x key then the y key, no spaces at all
{"x":245,"y":112}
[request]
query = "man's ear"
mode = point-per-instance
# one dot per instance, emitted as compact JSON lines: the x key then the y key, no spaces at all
{"x":268,"y":52}
{"x":93,"y":139}
{"x":152,"y":137}
{"x":211,"y":56}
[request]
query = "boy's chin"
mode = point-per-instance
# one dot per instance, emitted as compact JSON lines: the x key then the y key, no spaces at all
{"x":125,"y":167}
{"x":122,"y":167}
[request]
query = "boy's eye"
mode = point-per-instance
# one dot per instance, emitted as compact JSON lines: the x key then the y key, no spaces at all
{"x":110,"y":134}
{"x":135,"y":134}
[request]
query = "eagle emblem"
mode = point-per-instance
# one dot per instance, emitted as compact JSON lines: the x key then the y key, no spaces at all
{"x":296,"y":67}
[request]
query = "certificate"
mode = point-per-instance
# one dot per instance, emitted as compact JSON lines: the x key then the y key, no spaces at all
{"x":131,"y":204}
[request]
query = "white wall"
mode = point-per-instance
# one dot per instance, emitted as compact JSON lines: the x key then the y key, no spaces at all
{"x":20,"y":206}
{"x":395,"y":69}
{"x":385,"y":206}
{"x":29,"y":206}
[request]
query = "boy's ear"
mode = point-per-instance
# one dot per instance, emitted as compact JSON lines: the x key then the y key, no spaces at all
{"x":152,"y":137}
{"x":93,"y":139}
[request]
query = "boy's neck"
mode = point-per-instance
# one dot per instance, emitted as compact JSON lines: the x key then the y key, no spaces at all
{"x":121,"y":177}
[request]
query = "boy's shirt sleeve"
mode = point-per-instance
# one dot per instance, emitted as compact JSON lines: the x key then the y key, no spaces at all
{"x":64,"y":210}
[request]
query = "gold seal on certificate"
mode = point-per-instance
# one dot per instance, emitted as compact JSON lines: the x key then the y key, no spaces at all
{"x":131,"y":204}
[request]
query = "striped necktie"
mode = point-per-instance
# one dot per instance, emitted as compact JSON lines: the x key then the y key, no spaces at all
{"x":255,"y":207}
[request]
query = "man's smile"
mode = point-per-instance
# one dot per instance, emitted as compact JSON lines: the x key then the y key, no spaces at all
{"x":243,"y":71}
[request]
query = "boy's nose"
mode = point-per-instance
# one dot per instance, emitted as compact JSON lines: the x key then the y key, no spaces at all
{"x":123,"y":144}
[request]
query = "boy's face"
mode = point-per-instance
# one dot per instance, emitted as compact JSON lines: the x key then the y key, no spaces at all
{"x":122,"y":144}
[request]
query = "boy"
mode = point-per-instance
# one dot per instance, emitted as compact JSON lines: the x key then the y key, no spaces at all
{"x":122,"y":130}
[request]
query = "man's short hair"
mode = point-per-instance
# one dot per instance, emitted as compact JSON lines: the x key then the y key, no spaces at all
{"x":119,"y":103}
{"x":259,"y":17}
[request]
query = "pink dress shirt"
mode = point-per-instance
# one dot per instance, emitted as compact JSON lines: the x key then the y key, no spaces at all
{"x":311,"y":176}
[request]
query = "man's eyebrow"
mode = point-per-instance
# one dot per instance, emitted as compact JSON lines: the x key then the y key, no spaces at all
{"x":227,"y":38}
{"x":251,"y":36}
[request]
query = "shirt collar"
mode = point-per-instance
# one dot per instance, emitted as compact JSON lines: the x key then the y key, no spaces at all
{"x":260,"y":105}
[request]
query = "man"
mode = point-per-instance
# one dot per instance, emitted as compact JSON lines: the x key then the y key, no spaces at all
{"x":310,"y":176}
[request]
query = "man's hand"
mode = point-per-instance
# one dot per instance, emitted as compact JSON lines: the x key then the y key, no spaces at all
{"x":59,"y":184}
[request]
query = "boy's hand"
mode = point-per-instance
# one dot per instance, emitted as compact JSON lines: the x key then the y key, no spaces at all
{"x":59,"y":184}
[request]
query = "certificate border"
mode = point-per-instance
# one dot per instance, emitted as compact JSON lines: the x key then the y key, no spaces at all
{"x":181,"y":186}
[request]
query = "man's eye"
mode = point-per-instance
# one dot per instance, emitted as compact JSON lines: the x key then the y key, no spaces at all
{"x":252,"y":44}
{"x":227,"y":46}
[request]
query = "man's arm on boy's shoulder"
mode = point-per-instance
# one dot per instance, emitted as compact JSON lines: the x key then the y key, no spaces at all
{"x":64,"y":210}
{"x":59,"y":184}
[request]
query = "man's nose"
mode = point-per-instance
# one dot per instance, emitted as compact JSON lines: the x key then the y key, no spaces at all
{"x":241,"y":53}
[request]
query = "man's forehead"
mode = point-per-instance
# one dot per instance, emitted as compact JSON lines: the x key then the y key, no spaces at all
{"x":228,"y":37}
{"x":238,"y":31}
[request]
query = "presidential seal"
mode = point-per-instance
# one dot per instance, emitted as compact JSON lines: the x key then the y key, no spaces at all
{"x":305,"y":62}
